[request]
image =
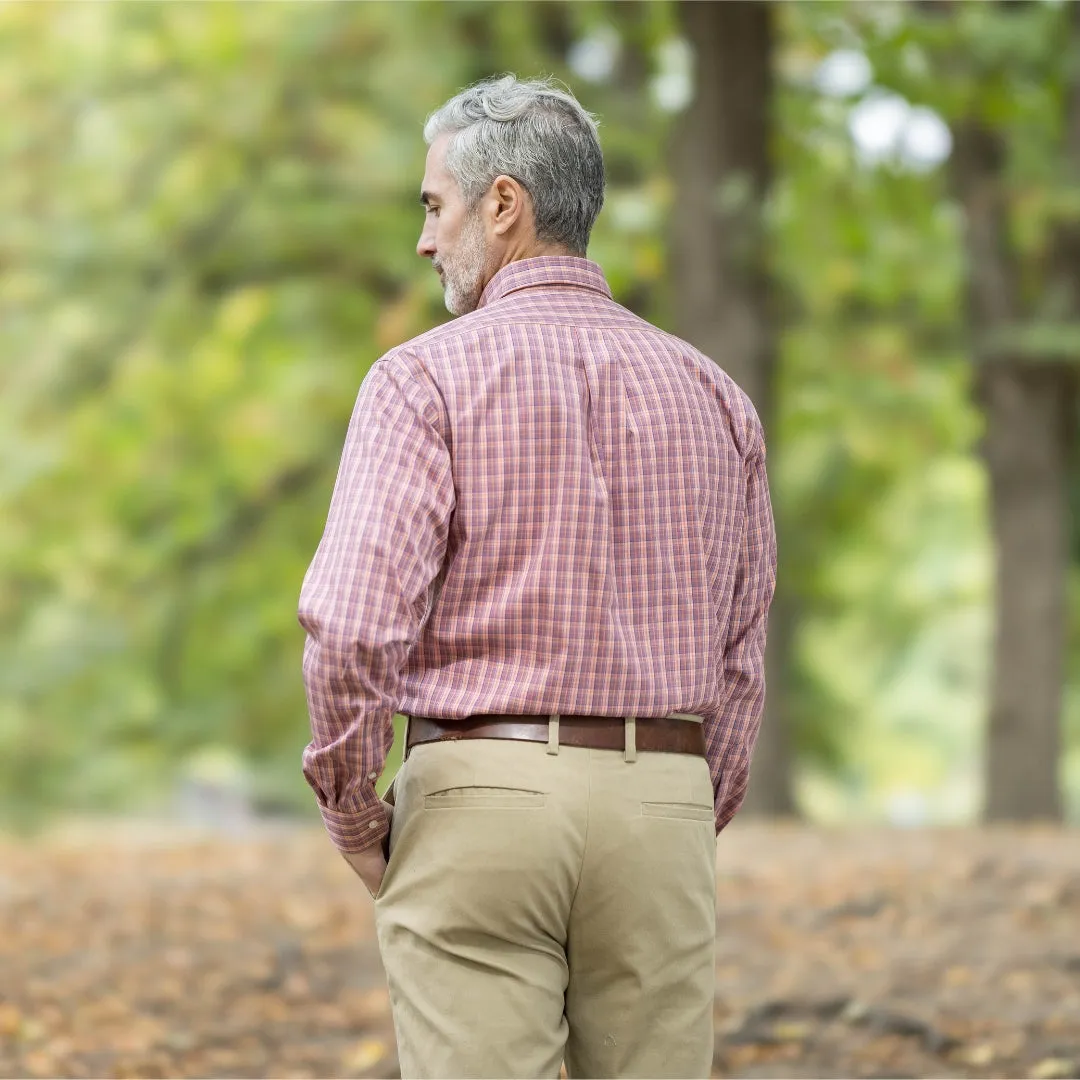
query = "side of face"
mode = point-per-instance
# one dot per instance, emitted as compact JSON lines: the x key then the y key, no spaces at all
{"x":467,"y":246}
{"x":449,"y":236}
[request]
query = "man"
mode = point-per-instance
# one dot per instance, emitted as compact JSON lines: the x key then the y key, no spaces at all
{"x":551,"y":546}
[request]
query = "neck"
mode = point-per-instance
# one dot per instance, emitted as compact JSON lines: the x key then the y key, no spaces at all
{"x":531,"y":250}
{"x":539,"y":249}
{"x":527,"y":249}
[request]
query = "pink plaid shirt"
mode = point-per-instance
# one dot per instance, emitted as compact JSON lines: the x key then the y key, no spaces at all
{"x":546,"y":505}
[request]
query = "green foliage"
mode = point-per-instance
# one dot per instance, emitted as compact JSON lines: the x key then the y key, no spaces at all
{"x":212,"y":248}
{"x":209,"y":222}
{"x":213,"y":221}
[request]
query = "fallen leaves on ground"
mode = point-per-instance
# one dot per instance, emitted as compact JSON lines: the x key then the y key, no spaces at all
{"x":152,"y":952}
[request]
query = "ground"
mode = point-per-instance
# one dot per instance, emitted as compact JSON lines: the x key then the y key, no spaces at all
{"x":144,"y":951}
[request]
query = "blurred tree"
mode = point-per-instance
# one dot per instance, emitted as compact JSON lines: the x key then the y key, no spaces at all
{"x":1028,"y":388}
{"x":210,"y":218}
{"x":214,"y":223}
{"x":884,"y":555}
{"x":1008,"y":79}
{"x":207,"y":226}
{"x":722,"y":164}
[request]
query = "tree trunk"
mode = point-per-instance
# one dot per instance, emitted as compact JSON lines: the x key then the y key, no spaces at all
{"x":1026,"y":452}
{"x":1026,"y":447}
{"x":722,"y":293}
{"x":722,"y":169}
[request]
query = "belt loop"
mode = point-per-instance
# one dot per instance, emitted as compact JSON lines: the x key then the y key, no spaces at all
{"x":553,"y":734}
{"x":405,"y":741}
{"x":630,"y":751}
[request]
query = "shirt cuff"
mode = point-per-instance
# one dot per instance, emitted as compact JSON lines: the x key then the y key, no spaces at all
{"x":358,"y":830}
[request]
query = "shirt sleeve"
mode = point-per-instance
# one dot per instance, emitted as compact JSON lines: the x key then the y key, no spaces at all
{"x":367,"y":593}
{"x":731,"y":727}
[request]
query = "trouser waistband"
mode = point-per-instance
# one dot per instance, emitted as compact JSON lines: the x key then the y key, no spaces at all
{"x":677,"y":733}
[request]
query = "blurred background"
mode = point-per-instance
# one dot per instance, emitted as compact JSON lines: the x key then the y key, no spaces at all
{"x":867,"y":213}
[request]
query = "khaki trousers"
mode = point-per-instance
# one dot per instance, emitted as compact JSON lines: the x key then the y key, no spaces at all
{"x":541,"y":907}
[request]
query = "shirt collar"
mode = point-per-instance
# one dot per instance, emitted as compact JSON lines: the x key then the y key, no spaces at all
{"x":545,"y":270}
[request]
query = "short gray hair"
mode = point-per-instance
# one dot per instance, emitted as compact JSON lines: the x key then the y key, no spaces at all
{"x":539,"y":135}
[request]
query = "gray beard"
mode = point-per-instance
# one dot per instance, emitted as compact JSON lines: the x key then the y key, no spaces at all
{"x":463,"y":275}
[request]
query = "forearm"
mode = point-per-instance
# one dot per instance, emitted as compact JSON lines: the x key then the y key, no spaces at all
{"x":730,"y":736}
{"x":346,"y":755}
{"x":366,"y":591}
{"x":732,"y":725}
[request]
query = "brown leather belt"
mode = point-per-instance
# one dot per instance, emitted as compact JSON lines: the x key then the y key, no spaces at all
{"x":661,"y":733}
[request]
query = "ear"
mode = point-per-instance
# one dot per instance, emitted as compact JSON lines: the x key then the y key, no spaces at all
{"x":509,"y":203}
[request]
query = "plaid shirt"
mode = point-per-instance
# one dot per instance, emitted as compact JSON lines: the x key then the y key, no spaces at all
{"x":546,"y":505}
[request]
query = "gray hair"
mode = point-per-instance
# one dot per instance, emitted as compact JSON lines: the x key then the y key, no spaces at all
{"x":535,"y":133}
